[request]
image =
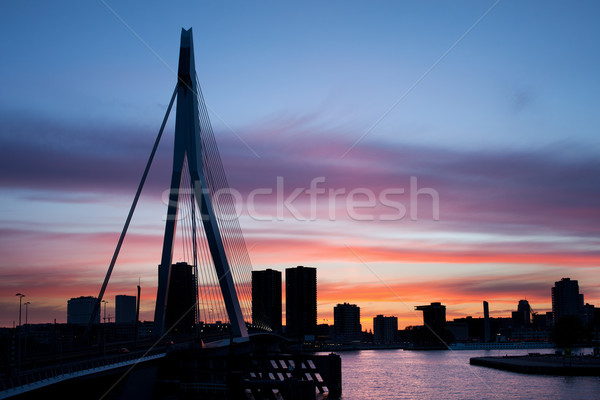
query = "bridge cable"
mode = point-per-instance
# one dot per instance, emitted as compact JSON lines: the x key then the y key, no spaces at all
{"x":217,"y":180}
{"x":195,"y":249}
{"x":225,"y":209}
{"x":129,"y":216}
{"x":211,"y":280}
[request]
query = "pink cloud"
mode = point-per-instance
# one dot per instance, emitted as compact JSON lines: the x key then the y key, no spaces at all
{"x":547,"y":201}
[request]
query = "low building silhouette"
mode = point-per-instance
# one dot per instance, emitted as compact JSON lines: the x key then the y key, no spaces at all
{"x":325,"y":333}
{"x":385,"y":329}
{"x":125,"y":309}
{"x":459,"y":330}
{"x":80,"y":309}
{"x":434,"y":316}
{"x":346,"y":322}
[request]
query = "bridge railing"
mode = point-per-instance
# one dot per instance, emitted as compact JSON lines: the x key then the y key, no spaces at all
{"x":53,"y":372}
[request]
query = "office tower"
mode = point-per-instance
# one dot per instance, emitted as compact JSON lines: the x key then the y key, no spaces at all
{"x":300,"y":302}
{"x":524,"y":310}
{"x":486,"y":322}
{"x":566,"y":299}
{"x":80,"y":309}
{"x":346,"y":323}
{"x":385,"y":329}
{"x":266,"y":299}
{"x":125,"y":309}
{"x":181,"y":301}
{"x":522,"y":317}
{"x":434,"y":316}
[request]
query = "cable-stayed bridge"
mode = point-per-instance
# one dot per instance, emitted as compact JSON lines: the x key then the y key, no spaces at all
{"x":211,"y":283}
{"x":201,"y":223}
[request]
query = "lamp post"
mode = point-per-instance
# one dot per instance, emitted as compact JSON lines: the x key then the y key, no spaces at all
{"x":27,"y":303}
{"x":105,"y":301}
{"x":21,"y":295}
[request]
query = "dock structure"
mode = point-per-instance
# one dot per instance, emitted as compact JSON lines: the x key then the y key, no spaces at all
{"x":546,"y":364}
{"x":235,"y":373}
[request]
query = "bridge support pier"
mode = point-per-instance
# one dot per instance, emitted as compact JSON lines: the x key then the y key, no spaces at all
{"x":239,"y":373}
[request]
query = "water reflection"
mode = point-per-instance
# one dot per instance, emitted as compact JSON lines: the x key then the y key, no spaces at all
{"x":398,"y":374}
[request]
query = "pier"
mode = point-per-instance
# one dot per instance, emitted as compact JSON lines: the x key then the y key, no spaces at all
{"x":546,"y":364}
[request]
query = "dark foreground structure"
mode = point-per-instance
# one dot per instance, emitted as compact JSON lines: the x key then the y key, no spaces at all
{"x":220,"y":373}
{"x":547,"y":364}
{"x":257,"y":369}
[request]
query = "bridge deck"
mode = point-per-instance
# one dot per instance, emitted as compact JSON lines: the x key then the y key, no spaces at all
{"x":45,"y":376}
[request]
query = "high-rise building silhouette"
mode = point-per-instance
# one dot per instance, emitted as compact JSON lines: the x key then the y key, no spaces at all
{"x":486,"y":322}
{"x":346,"y":323}
{"x":566,"y":299}
{"x":266,"y":299}
{"x":522,"y":317}
{"x":181,"y":303}
{"x":125,"y":309}
{"x":434,"y":316}
{"x":385,"y":329}
{"x":80,"y":309}
{"x":300,"y":302}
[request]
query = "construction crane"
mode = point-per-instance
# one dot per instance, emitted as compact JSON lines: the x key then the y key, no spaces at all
{"x":532,"y":311}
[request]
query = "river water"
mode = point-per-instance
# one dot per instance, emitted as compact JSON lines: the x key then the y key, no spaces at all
{"x":400,"y":374}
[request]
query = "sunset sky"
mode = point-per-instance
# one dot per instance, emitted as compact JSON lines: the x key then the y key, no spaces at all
{"x":493,"y":106}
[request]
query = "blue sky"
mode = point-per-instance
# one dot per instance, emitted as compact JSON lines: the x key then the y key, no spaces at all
{"x":523,"y":67}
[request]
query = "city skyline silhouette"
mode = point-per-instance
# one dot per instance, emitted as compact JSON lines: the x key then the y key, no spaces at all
{"x":510,"y":152}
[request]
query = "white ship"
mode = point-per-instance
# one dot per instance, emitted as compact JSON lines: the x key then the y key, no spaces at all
{"x":501,"y":345}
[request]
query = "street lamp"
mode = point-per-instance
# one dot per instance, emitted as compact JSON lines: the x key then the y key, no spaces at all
{"x":26,"y":310}
{"x":21,"y":295}
{"x":105,"y":301}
